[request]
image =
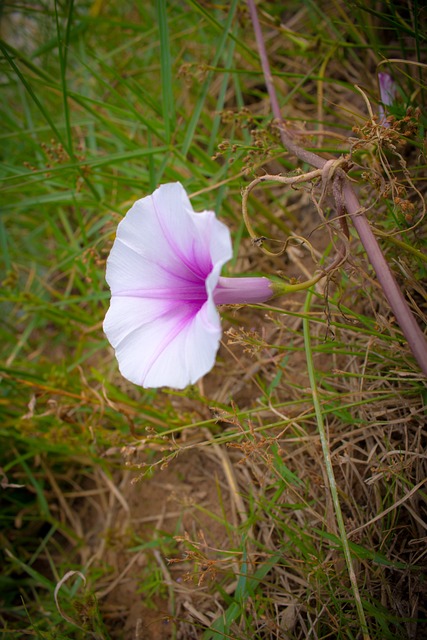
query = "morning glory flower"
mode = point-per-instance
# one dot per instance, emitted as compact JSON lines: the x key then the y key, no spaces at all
{"x":387,"y":95}
{"x":164,"y":272}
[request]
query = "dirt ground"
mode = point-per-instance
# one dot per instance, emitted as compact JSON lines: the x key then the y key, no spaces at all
{"x":188,"y":498}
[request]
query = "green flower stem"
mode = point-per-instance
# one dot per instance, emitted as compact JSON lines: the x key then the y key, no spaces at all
{"x":281,"y":288}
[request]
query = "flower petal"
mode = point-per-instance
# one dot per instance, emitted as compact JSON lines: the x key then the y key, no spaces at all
{"x":162,"y":243}
{"x":162,"y":343}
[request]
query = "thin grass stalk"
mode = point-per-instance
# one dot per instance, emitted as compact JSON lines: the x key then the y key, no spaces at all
{"x":329,"y":468}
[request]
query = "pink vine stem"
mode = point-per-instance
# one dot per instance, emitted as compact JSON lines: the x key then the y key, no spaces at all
{"x":412,"y":332}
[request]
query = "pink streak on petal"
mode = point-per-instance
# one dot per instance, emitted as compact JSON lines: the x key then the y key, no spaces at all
{"x":190,"y":260}
{"x":187,"y":293}
{"x":166,"y":342}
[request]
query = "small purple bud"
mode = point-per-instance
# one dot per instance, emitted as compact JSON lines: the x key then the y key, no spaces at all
{"x":388,"y":91}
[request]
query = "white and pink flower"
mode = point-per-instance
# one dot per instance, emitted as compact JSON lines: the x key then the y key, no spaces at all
{"x":164,"y":274}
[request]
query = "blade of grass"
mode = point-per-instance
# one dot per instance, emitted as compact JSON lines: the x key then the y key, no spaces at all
{"x":63,"y":45}
{"x":168,"y":104}
{"x":221,"y":99}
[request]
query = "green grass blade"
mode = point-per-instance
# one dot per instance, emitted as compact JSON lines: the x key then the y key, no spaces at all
{"x":166,"y":70}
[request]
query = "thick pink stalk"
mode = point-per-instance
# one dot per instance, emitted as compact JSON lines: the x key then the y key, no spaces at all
{"x":415,"y":337}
